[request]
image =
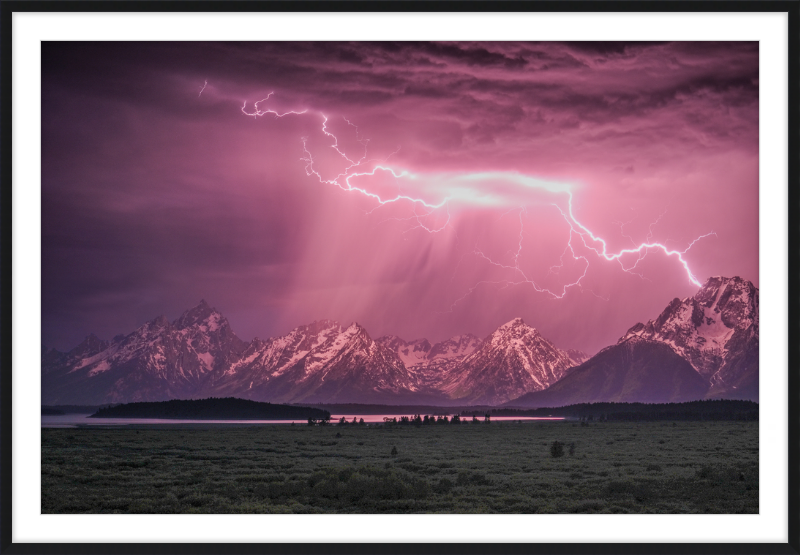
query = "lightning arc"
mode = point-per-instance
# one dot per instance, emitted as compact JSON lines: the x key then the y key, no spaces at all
{"x":638,"y":249}
{"x":460,"y":188}
{"x":260,"y":112}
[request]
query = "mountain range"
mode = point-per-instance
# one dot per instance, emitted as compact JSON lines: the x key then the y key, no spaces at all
{"x":704,"y":346}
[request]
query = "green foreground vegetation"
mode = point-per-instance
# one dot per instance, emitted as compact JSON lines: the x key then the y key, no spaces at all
{"x":502,"y":467}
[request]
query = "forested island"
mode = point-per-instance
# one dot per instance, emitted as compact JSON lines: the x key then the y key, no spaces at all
{"x":228,"y":408}
{"x":60,"y":410}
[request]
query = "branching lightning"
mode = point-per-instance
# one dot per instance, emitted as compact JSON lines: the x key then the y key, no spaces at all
{"x":260,"y":112}
{"x":525,"y":280}
{"x":462,"y":188}
{"x":581,"y":231}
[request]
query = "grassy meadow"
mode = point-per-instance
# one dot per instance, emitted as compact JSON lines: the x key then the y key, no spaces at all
{"x":502,"y":467}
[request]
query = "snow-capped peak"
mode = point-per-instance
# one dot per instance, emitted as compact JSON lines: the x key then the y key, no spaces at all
{"x":516,"y":322}
{"x":202,"y":313}
{"x":516,"y":328}
{"x":716,"y":330}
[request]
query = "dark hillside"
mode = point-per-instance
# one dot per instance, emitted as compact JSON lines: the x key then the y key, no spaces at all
{"x":711,"y":410}
{"x":228,"y":408}
{"x":636,"y":370}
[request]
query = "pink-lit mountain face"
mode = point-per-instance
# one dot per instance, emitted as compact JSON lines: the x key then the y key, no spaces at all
{"x":318,"y":363}
{"x":158,"y":361}
{"x":198,"y":356}
{"x":703,"y":346}
{"x":716,"y":330}
{"x":513,"y":359}
{"x":431,"y":365}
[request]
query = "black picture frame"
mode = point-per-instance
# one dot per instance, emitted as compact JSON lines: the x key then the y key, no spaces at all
{"x":6,"y":514}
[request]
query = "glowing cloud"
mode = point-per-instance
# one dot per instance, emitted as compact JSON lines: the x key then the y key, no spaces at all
{"x":490,"y":189}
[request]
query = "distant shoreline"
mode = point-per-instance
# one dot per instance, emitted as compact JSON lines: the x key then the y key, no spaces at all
{"x":241,"y":409}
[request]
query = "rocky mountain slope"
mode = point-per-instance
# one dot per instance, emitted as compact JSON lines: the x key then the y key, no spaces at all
{"x":634,"y":370}
{"x":513,"y":360}
{"x":431,"y":365}
{"x":158,"y":361}
{"x":318,"y":363}
{"x":705,"y":346}
{"x":714,"y":334}
{"x":716,"y":330}
{"x":198,"y":356}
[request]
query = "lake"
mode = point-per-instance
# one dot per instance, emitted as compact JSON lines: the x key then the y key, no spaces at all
{"x":73,"y":420}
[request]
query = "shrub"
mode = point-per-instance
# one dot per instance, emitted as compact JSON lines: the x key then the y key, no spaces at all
{"x":641,"y":492}
{"x":705,"y":472}
{"x":444,"y":486}
{"x":572,"y":449}
{"x":557,"y":449}
{"x":472,"y":478}
{"x":394,"y":451}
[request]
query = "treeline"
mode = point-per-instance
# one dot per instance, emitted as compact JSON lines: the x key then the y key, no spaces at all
{"x":718,"y":409}
{"x":416,"y":420}
{"x":228,"y":408}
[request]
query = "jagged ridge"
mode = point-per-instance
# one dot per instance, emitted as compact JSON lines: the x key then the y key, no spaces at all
{"x":198,"y":355}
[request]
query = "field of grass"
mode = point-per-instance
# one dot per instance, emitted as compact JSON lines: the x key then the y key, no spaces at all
{"x":606,"y":467}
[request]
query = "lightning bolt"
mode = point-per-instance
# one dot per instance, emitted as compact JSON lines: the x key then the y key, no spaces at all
{"x":462,"y":188}
{"x":202,"y":89}
{"x":259,"y":112}
{"x":599,"y":245}
{"x":523,"y":277}
{"x":418,"y":219}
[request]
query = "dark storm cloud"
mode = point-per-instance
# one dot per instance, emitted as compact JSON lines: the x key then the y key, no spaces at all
{"x":469,"y":55}
{"x":155,"y":195}
{"x":610,"y":47}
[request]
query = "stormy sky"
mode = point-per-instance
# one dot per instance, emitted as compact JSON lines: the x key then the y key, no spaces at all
{"x":422,"y":190}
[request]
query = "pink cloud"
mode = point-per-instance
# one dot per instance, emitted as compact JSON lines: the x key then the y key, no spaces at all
{"x":155,"y":196}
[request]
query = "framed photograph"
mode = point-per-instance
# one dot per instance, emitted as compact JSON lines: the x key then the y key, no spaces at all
{"x":475,"y":278}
